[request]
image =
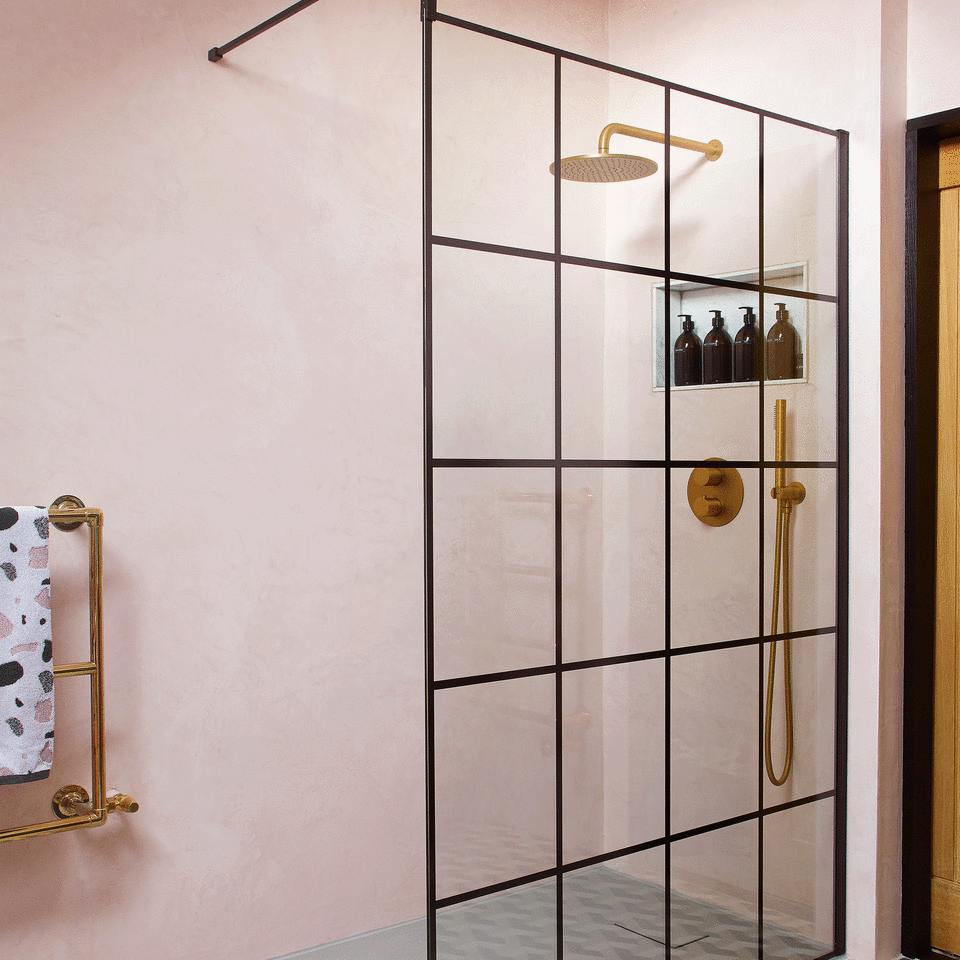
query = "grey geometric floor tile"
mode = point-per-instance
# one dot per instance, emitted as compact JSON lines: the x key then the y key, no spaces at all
{"x":607,"y":916}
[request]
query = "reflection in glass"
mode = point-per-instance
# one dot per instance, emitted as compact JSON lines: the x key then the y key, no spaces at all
{"x":493,"y":355}
{"x":713,"y":731}
{"x":613,"y":549}
{"x":520,"y":924}
{"x":494,"y":582}
{"x":613,"y":758}
{"x":798,"y":882}
{"x":495,"y":775}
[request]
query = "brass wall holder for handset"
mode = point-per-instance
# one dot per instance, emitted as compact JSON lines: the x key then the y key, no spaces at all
{"x":715,"y":494}
{"x":787,"y":493}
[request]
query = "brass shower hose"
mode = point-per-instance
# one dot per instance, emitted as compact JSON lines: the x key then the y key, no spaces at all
{"x":786,"y":496}
{"x":782,"y":559}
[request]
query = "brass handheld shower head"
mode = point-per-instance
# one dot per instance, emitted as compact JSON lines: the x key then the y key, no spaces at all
{"x":607,"y":167}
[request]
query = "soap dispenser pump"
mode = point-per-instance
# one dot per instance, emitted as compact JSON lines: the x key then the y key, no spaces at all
{"x":687,"y":356}
{"x":717,"y":353}
{"x":746,"y":350}
{"x":782,"y":347}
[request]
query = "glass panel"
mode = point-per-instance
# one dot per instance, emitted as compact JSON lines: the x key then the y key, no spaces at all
{"x":613,"y":549}
{"x":713,"y":419}
{"x":623,"y":221}
{"x":715,"y":591}
{"x":520,"y":924}
{"x":610,"y":407}
{"x":615,"y":910}
{"x":812,"y":548}
{"x":493,"y":120}
{"x":495,"y":776}
{"x":713,"y":727}
{"x":812,"y":396}
{"x":813,"y":661}
{"x":800,"y":202}
{"x":494,"y":580}
{"x":493,"y":355}
{"x":713,"y":893}
{"x":613,"y":758}
{"x":714,"y":205}
{"x":798,"y":882}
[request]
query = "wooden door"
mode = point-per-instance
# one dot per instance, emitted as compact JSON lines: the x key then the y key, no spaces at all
{"x":945,"y":889}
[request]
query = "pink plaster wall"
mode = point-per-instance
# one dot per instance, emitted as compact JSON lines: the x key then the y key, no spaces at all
{"x":211,"y":302}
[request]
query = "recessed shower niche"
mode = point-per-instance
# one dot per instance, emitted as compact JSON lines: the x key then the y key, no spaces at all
{"x":699,"y":299}
{"x":598,"y":660}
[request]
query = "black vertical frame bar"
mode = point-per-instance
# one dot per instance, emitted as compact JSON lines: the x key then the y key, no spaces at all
{"x":761,"y":560}
{"x":430,"y":743}
{"x":558,"y":489}
{"x":843,"y":547}
{"x":667,"y":540}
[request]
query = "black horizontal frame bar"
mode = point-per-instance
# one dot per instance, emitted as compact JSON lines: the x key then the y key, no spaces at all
{"x":614,"y":855}
{"x":216,"y":53}
{"x":526,"y":253}
{"x":751,"y":641}
{"x":496,"y":888}
{"x":498,"y":248}
{"x":448,"y":463}
{"x":625,"y":72}
{"x":549,"y":669}
{"x":529,"y":878}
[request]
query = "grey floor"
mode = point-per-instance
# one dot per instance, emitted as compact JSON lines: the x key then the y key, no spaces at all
{"x":608,"y":916}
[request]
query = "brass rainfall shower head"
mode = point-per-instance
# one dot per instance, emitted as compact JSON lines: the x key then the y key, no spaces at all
{"x":607,"y":167}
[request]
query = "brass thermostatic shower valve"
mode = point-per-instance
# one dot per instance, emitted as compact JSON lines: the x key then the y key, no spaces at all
{"x":715,"y":493}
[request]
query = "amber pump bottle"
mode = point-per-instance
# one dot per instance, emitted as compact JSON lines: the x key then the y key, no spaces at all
{"x":687,"y":356}
{"x":747,"y":355}
{"x":717,"y":353}
{"x":782,"y":348}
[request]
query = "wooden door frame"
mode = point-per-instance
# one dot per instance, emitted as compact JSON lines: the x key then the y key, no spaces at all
{"x":923,"y":138}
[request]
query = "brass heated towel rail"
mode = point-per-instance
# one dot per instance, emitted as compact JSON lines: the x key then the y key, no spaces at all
{"x":73,"y":806}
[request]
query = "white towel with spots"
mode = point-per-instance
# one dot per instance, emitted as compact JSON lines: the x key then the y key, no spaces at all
{"x":26,"y":647}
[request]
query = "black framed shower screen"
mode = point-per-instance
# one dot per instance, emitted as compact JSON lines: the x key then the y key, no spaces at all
{"x":596,"y":660}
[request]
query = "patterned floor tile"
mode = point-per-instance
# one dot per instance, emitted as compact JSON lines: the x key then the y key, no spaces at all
{"x":607,"y":916}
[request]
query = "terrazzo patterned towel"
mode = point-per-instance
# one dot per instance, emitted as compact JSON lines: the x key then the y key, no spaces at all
{"x":26,"y":648}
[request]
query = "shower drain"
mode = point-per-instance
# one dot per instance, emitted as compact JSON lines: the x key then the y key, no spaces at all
{"x":682,"y":940}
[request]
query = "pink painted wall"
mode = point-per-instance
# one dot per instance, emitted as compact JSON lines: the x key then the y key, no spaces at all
{"x":211,"y":300}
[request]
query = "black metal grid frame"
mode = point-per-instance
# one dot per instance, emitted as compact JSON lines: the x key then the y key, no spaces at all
{"x":839,"y":466}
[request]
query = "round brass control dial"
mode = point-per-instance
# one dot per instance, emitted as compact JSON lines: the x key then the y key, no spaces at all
{"x":715,"y":494}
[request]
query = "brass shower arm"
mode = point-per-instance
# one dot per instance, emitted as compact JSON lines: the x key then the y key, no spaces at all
{"x":713,"y":149}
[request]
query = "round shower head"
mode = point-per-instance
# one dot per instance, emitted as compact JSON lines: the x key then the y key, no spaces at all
{"x":605,"y":168}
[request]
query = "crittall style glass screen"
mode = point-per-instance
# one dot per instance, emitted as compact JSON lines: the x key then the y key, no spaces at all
{"x":635,"y":513}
